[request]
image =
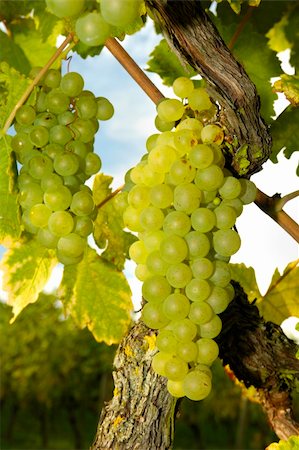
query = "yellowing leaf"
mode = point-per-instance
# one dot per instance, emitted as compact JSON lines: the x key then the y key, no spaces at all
{"x":98,"y":297}
{"x":101,"y":187}
{"x":246,"y":277}
{"x":9,"y":209}
{"x":291,"y":444}
{"x":277,"y":39}
{"x":281,"y":299}
{"x":27,"y":267}
{"x":289,"y":85}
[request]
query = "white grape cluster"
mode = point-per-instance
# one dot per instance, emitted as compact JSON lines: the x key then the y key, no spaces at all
{"x":184,"y":205}
{"x":108,"y":18}
{"x":54,"y":148}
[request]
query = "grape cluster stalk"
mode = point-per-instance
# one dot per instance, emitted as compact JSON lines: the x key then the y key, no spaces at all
{"x":183,"y":204}
{"x":53,"y":145}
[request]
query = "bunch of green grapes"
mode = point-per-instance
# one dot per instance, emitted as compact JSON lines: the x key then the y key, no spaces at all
{"x":184,"y":204}
{"x":94,"y":27}
{"x":54,"y":148}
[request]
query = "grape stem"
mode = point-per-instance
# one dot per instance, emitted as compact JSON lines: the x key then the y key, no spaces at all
{"x":134,"y":70}
{"x":240,"y":27}
{"x":283,"y":200}
{"x":110,"y":196}
{"x":269,"y":206}
{"x":30,"y":88}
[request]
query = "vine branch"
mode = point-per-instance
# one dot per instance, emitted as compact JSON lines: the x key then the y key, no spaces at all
{"x":38,"y":77}
{"x":110,"y":196}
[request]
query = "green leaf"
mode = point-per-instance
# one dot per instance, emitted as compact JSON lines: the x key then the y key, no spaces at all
{"x":10,"y":229}
{"x":289,"y":85}
{"x":291,"y":444}
{"x":281,"y":299}
{"x":98,"y":297}
{"x":278,"y":41}
{"x":246,"y":277}
{"x":13,"y":54}
{"x":291,"y":32}
{"x":27,"y":267}
{"x":166,"y":64}
{"x":285,"y":133}
{"x":101,"y":188}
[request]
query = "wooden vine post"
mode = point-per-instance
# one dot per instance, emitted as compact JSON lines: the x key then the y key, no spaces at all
{"x":141,"y":413}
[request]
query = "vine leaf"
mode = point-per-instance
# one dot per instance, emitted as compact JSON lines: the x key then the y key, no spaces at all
{"x":291,"y":444}
{"x":98,"y":297}
{"x":27,"y":267}
{"x":12,"y":54}
{"x":289,"y":85}
{"x":10,"y":229}
{"x":166,"y":64}
{"x":281,"y":299}
{"x":285,"y":133}
{"x":246,"y":277}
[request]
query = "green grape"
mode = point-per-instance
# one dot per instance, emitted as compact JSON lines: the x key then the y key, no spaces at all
{"x":151,"y":142}
{"x":184,"y":330}
{"x":40,"y":166}
{"x":72,"y":182}
{"x":202,"y":268}
{"x":176,"y":369}
{"x":82,"y":204}
{"x":198,"y":290}
{"x":208,"y":197}
{"x":71,"y":245}
{"x":208,"y":351}
{"x":236,"y":204}
{"x":203,"y":368}
{"x":65,"y":8}
{"x":200,"y":312}
{"x":198,"y":244}
{"x":52,"y":150}
{"x":39,"y":215}
{"x":66,"y":164}
{"x":77,"y":147}
{"x":191,"y":124}
{"x":203,"y":220}
{"x":248,"y":191}
{"x":197,"y":385}
{"x":93,"y":164}
{"x":230,"y":292}
{"x":83,"y":226}
{"x":212,"y":328}
{"x":68,"y":260}
{"x":212,"y":134}
{"x":153,"y":316}
{"x":61,"y":223}
{"x":170,"y":110}
{"x":184,"y":140}
{"x":139,"y":197}
{"x":136,"y":173}
{"x":92,"y":29}
{"x":86,"y":107}
{"x":199,"y":100}
{"x":176,"y":306}
{"x":230,"y":188}
{"x":156,"y":263}
{"x":201,"y":156}
{"x":161,"y":196}
{"x":46,"y":119}
{"x":66,"y":118}
{"x":58,"y":199}
{"x":209,"y":179}
{"x":226,"y":242}
{"x":218,"y":299}
{"x":173,"y":249}
{"x":30,"y":194}
{"x":151,"y":178}
{"x":175,"y":388}
{"x":60,"y":134}
{"x":53,"y":77}
{"x":120,"y":14}
{"x":105,"y":109}
{"x":153,"y":239}
{"x":25,"y":115}
{"x":178,"y":275}
{"x":161,"y":158}
{"x":39,"y":136}
{"x":24,"y":178}
{"x":162,"y":125}
{"x":131,"y":219}
{"x":182,"y":87}
{"x":221,"y":275}
{"x":151,"y":218}
{"x":21,"y":144}
{"x":156,"y":288}
{"x":57,"y":102}
{"x":225,"y":216}
{"x":187,"y":351}
{"x":181,"y":172}
{"x":27,"y":224}
{"x":46,"y":238}
{"x":177,"y":222}
{"x":138,"y":252}
{"x":159,"y":361}
{"x":142,"y":272}
{"x":83,"y":130}
{"x":166,"y":341}
{"x":186,"y":197}
{"x":41,"y":102}
{"x":72,"y":84}
{"x":165,"y":138}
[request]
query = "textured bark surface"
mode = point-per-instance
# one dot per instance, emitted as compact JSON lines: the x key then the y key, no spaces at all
{"x":191,"y":34}
{"x":140,"y":414}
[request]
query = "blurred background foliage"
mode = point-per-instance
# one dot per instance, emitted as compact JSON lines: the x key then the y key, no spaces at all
{"x":55,"y":378}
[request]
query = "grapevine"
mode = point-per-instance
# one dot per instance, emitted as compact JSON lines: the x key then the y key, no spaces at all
{"x":184,"y":204}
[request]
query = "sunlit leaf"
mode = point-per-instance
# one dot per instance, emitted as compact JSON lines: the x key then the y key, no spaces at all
{"x":27,"y":267}
{"x":289,"y":85}
{"x":277,"y":37}
{"x":98,"y":297}
{"x":246,"y":277}
{"x":291,"y":444}
{"x":101,"y":187}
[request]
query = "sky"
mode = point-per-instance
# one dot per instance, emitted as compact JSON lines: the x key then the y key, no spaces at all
{"x":120,"y":143}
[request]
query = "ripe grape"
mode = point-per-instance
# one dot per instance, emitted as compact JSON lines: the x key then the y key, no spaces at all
{"x":120,"y":14}
{"x":197,"y":385}
{"x":92,"y":29}
{"x":65,"y":8}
